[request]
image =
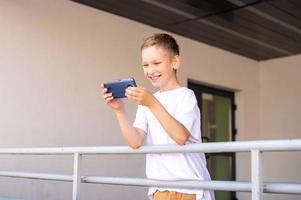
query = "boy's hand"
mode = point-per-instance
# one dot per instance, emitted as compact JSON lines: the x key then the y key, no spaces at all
{"x":116,"y":104}
{"x":140,"y":95}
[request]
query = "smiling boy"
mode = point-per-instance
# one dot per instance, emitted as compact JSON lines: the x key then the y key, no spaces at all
{"x":168,"y":117}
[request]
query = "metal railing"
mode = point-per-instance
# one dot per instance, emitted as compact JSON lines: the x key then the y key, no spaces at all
{"x":256,"y":186}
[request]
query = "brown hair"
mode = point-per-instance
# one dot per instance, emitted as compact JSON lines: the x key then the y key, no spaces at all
{"x":163,"y":40}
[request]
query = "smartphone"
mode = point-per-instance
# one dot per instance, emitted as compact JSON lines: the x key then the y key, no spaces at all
{"x":118,"y":87}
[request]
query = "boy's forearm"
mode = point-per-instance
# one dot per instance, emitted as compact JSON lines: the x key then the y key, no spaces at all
{"x":131,"y":136}
{"x":174,"y":128}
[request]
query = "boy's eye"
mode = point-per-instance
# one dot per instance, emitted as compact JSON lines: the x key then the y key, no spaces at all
{"x":157,"y":63}
{"x":145,"y":65}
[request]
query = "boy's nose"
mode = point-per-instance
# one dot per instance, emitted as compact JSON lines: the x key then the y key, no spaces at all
{"x":151,"y":73}
{"x":151,"y":70}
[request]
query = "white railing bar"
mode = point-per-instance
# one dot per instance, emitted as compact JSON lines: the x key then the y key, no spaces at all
{"x":217,"y":185}
{"x":77,"y":161}
{"x":242,"y":186}
{"x":283,"y":188}
{"x":269,"y":187}
{"x":220,"y":185}
{"x":210,"y":147}
{"x":40,"y":176}
{"x":256,"y":174}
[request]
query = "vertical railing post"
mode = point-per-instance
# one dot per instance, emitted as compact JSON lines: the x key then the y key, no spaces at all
{"x":257,"y":180}
{"x":76,"y":176}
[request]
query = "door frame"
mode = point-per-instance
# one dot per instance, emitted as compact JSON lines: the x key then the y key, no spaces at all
{"x":200,"y":88}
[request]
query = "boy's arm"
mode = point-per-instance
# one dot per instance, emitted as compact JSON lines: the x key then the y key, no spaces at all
{"x":174,"y":128}
{"x":133,"y":136}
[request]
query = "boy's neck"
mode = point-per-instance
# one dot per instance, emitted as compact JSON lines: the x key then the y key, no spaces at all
{"x":170,"y":87}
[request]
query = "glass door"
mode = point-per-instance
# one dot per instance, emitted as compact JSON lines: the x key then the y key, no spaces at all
{"x":217,"y":125}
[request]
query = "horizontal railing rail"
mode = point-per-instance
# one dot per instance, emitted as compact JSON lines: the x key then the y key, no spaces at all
{"x":209,"y":147}
{"x":240,"y":186}
{"x":256,"y":185}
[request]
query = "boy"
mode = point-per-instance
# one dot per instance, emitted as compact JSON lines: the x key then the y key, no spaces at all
{"x":170,"y":116}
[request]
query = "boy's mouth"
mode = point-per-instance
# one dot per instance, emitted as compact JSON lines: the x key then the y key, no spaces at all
{"x":153,"y":78}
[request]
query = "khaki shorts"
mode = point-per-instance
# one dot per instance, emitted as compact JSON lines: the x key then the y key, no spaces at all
{"x":170,"y":195}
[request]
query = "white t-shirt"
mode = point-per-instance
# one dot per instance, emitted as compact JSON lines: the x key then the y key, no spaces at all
{"x":182,"y":105}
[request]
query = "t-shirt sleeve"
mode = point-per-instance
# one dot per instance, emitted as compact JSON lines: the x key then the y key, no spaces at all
{"x":141,"y":119}
{"x":188,"y":114}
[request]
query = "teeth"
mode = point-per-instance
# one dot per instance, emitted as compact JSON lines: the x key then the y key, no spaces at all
{"x":154,"y":77}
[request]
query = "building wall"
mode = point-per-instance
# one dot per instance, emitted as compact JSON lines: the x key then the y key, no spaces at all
{"x":280,"y":96}
{"x":54,"y":55}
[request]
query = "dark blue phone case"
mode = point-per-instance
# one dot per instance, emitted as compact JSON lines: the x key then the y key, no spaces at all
{"x":118,"y":87}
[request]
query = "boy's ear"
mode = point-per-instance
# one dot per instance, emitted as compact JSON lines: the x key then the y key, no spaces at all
{"x":176,"y":62}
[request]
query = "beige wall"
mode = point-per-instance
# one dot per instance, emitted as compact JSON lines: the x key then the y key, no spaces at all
{"x":280,"y":98}
{"x":280,"y":111}
{"x":53,"y":56}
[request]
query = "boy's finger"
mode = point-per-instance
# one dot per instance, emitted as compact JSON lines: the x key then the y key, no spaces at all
{"x":109,"y":99}
{"x":104,"y":90}
{"x":107,"y":95}
{"x":128,"y":94}
{"x":140,"y":87}
{"x":131,"y":92}
{"x":102,"y":86}
{"x":133,"y":88}
{"x":130,"y":88}
{"x":128,"y":91}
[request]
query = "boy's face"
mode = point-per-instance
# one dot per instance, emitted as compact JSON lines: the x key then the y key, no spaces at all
{"x":159,"y":67}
